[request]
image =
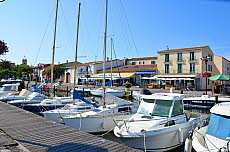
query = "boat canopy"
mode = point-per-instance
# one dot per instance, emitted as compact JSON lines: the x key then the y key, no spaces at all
{"x":219,"y":126}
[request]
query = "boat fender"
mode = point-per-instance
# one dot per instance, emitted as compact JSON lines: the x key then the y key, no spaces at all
{"x":188,"y":142}
{"x":180,"y":136}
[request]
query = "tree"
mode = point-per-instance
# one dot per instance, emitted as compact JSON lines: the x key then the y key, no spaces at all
{"x":59,"y":70}
{"x":3,"y":47}
{"x":22,"y":70}
{"x":5,"y":65}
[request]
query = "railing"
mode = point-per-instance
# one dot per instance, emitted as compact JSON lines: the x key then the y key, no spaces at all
{"x":183,"y":71}
{"x":192,"y":59}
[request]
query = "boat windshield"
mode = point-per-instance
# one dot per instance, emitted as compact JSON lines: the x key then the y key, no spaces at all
{"x":219,"y":126}
{"x":8,"y":88}
{"x":146,"y":106}
{"x":162,"y":108}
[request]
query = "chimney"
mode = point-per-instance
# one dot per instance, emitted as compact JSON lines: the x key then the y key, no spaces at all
{"x":67,"y":61}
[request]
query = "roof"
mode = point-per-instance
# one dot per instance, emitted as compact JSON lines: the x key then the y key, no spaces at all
{"x":143,"y":58}
{"x":183,"y":49}
{"x":221,"y":109}
{"x":133,"y":68}
{"x":164,"y":96}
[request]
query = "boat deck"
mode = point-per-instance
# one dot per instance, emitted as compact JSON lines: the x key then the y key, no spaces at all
{"x":37,"y":134}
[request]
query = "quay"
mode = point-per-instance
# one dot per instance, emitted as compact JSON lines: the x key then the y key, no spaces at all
{"x":25,"y":131}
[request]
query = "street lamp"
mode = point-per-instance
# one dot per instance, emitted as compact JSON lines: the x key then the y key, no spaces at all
{"x":205,"y":59}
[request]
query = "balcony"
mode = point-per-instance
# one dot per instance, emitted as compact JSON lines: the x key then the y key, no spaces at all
{"x":167,"y":61}
{"x":192,"y":60}
{"x":180,"y":61}
{"x":183,"y":71}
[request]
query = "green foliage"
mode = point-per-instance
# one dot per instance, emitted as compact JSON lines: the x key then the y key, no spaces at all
{"x":58,"y":71}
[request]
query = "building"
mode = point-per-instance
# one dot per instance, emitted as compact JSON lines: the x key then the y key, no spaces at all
{"x":222,"y":64}
{"x":184,"y":66}
{"x":142,"y":61}
{"x":24,"y":61}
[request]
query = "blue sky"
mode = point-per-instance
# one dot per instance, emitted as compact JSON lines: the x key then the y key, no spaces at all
{"x":139,"y":28}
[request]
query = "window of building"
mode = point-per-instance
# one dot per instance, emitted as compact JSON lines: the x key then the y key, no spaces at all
{"x":208,"y":81}
{"x":192,"y":56}
{"x":143,"y":62}
{"x":139,"y":62}
{"x":192,"y":68}
{"x":209,"y":67}
{"x":179,"y":57}
{"x":211,"y":58}
{"x":166,"y":68}
{"x":133,"y":63}
{"x":166,"y":57}
{"x":153,"y":62}
{"x":179,"y":70}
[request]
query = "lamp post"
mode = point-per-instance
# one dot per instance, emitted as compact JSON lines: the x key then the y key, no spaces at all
{"x":205,"y":59}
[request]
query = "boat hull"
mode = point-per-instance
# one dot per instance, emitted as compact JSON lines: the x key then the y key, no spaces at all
{"x":199,"y":103}
{"x":40,"y":108}
{"x":95,"y":124}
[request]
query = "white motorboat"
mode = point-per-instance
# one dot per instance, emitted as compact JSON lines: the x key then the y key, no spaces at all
{"x":22,"y":95}
{"x":216,"y":136}
{"x":33,"y":98}
{"x":160,"y":123}
{"x":57,"y":114}
{"x":99,"y":92}
{"x":9,"y":88}
{"x":102,"y":119}
{"x":205,"y":101}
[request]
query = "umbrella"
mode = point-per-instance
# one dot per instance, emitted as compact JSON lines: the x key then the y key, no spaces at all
{"x":222,"y":77}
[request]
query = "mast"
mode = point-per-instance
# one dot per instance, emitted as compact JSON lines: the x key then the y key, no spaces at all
{"x":53,"y":49}
{"x":104,"y":52}
{"x":111,"y":70}
{"x":75,"y":61}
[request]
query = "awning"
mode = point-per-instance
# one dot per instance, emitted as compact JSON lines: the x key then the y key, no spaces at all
{"x":114,"y":75}
{"x":145,"y":72}
{"x":149,"y":78}
{"x":176,"y":76}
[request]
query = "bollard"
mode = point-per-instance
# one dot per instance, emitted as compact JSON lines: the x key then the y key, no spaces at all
{"x":54,"y":91}
{"x":216,"y":99}
{"x":67,"y":91}
{"x":181,"y":91}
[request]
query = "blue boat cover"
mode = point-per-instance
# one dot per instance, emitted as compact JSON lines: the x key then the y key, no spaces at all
{"x":145,"y":72}
{"x":77,"y":96}
{"x":219,"y":126}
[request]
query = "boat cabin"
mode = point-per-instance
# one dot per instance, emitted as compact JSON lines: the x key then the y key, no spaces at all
{"x":162,"y":104}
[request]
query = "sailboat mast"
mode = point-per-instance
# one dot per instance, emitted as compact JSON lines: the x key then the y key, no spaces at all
{"x":111,"y":70}
{"x":75,"y":61}
{"x":53,"y":49}
{"x":104,"y":52}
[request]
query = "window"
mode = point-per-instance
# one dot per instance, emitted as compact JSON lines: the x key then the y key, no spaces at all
{"x":143,"y":62}
{"x":133,"y":63}
{"x":166,"y":57}
{"x":177,"y":108}
{"x":139,"y":62}
{"x":179,"y":57}
{"x":211,"y":58}
{"x":162,"y":108}
{"x":192,"y":68}
{"x":153,"y":62}
{"x":192,"y":56}
{"x":166,"y":68}
{"x":179,"y":70}
{"x":209,"y":68}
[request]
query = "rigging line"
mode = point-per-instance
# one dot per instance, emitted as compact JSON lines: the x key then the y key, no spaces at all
{"x":43,"y":37}
{"x":124,"y":30}
{"x":68,"y":29}
{"x":129,"y":29}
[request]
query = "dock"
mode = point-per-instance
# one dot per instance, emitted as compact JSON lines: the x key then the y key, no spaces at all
{"x":36,"y":134}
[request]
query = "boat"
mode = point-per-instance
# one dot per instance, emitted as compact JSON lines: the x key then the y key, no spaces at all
{"x":22,"y":95}
{"x":137,"y":94}
{"x":33,"y":98}
{"x":99,"y":92}
{"x":216,"y":136}
{"x":7,"y":89}
{"x":56,"y":115}
{"x":103,"y":118}
{"x":204,"y":101}
{"x":160,"y":123}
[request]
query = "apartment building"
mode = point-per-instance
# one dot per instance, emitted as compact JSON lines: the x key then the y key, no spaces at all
{"x":184,"y":66}
{"x":142,"y":61}
{"x":222,"y":64}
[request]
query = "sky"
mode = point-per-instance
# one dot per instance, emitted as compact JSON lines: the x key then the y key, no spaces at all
{"x":139,"y":28}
